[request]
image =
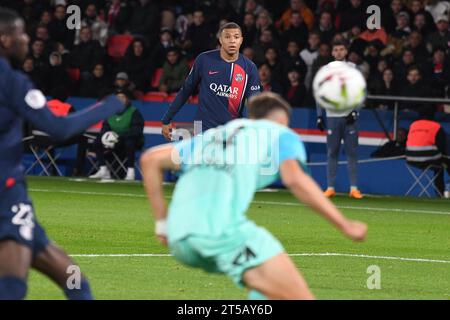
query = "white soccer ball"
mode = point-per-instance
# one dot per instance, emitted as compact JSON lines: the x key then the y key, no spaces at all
{"x":338,"y":86}
{"x":109,"y":139}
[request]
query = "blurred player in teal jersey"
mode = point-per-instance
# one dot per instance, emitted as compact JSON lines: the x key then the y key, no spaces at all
{"x":205,"y":225}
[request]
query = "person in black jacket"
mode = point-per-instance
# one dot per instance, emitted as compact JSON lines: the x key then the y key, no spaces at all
{"x":144,"y":20}
{"x":123,"y":133}
{"x":87,"y":53}
{"x":138,"y":64}
{"x":95,"y":83}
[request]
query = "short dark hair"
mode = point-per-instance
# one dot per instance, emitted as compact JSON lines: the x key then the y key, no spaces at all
{"x":412,"y":68}
{"x":261,"y":105}
{"x":229,"y":25}
{"x":7,"y":20}
{"x":339,"y":42}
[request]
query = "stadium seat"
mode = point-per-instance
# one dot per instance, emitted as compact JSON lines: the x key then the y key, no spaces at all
{"x":45,"y":154}
{"x":425,"y":179}
{"x":171,"y":97}
{"x":117,"y":45}
{"x":155,"y":96}
{"x":156,"y":77}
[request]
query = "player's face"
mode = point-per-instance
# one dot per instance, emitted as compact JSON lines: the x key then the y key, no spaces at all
{"x":339,"y":53}
{"x":16,"y":42}
{"x":231,"y":40}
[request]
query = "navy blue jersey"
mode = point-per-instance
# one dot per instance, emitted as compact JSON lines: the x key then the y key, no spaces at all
{"x":19,"y":101}
{"x":223,"y":88}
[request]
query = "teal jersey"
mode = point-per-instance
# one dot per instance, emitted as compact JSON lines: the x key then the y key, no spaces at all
{"x":222,"y":169}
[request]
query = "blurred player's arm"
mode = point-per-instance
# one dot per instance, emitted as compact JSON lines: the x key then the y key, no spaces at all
{"x":153,"y":163}
{"x":31,"y":104}
{"x":307,"y":191}
{"x":182,"y":96}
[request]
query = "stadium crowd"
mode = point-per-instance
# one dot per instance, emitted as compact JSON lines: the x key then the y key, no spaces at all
{"x":149,"y":45}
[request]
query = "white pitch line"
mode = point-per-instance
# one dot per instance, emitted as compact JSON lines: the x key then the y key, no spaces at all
{"x":326,"y":254}
{"x":292,"y":204}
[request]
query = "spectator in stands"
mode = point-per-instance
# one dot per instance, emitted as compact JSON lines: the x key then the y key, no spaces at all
{"x":249,"y":30}
{"x":264,"y":22}
{"x":355,"y":56}
{"x":375,"y":34}
{"x":259,"y":48}
{"x":117,"y":15}
{"x":415,"y":87}
{"x":276,"y":68}
{"x":437,"y":8}
{"x":129,"y":126}
{"x":138,"y":65}
{"x":386,"y":86}
{"x":309,"y":54}
{"x":144,"y":20}
{"x":372,"y":56}
{"x":160,"y":51}
{"x":422,"y":25}
{"x":249,"y":53}
{"x":353,"y":16}
{"x":325,"y":27}
{"x":122,"y":82}
{"x":322,"y":59}
{"x":402,"y":66}
{"x":402,"y":29}
{"x":40,"y":63}
{"x":58,"y":28}
{"x":352,"y":34}
{"x":297,"y":31}
{"x":292,"y":60}
{"x":417,"y":7}
{"x":28,"y":69}
{"x":87,"y":53}
{"x":389,"y":16}
{"x":303,"y":9}
{"x":198,"y":37}
{"x":168,"y":22}
{"x":415,"y":44}
{"x":296,"y":92}
{"x":252,"y":7}
{"x":98,"y":27}
{"x":95,"y":83}
{"x":42,"y":33}
{"x":440,"y":71}
{"x":441,"y":37}
{"x":174,"y":73}
{"x":46,"y":17}
{"x":266,"y":80}
{"x":57,"y":73}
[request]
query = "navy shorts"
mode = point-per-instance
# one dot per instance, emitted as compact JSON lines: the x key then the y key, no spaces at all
{"x":17,"y":220}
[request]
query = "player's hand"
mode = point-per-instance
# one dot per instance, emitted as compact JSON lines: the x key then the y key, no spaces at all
{"x":355,"y":230}
{"x":352,"y":117}
{"x":162,"y":240}
{"x":320,"y":123}
{"x":166,"y":131}
{"x":161,"y":231}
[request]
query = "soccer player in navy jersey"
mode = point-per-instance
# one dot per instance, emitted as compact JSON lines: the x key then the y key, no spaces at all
{"x":225,"y":78}
{"x":23,"y":242}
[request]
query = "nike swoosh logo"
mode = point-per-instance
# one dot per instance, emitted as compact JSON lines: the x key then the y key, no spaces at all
{"x":213,"y":72}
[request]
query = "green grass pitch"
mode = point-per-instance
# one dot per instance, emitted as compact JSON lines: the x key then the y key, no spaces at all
{"x":100,"y":219}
